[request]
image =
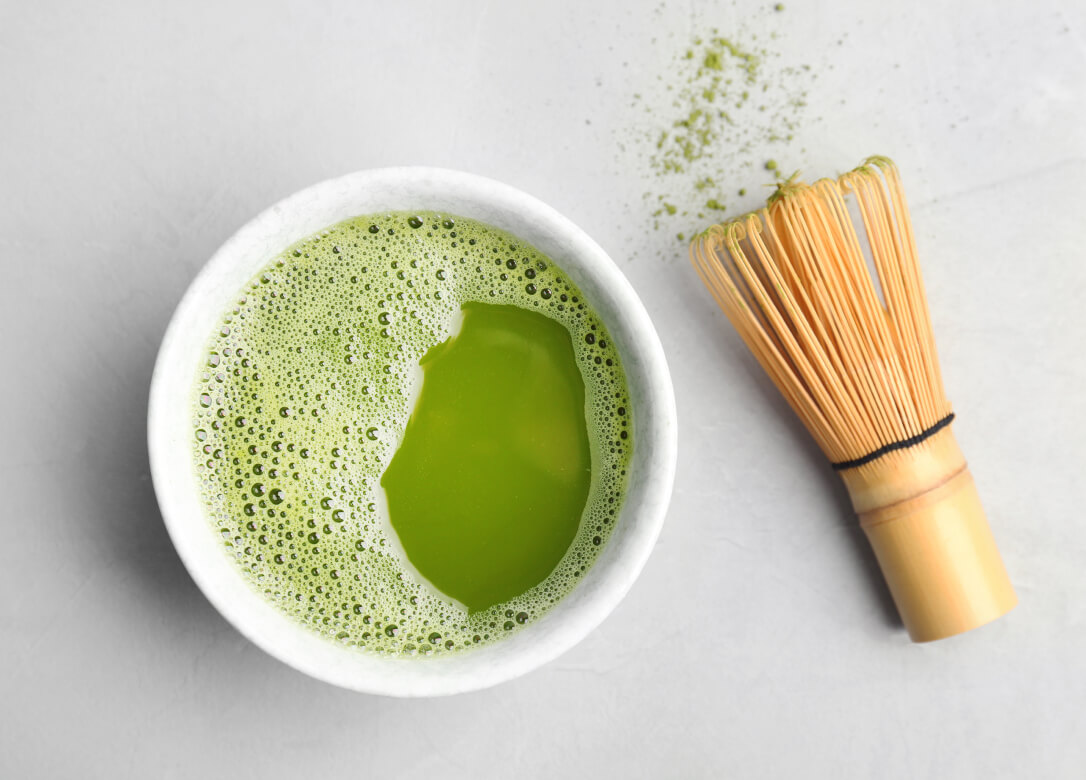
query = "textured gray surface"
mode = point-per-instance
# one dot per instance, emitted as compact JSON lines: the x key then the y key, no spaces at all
{"x":759,"y":642}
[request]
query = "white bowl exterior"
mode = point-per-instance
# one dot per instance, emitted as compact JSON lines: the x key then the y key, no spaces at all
{"x":215,"y":289}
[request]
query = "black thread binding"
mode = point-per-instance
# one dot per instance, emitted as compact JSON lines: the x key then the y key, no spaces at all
{"x":895,"y":445}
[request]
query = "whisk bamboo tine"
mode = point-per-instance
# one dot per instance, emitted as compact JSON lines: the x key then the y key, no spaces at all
{"x":854,"y":355}
{"x":876,"y":216}
{"x":762,"y":344}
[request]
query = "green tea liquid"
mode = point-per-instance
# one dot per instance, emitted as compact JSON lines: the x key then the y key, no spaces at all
{"x":487,"y":489}
{"x":399,"y":517}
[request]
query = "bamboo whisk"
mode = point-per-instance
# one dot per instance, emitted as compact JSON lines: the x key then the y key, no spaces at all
{"x":854,"y":355}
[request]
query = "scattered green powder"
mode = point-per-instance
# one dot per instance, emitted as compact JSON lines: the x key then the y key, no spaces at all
{"x":704,"y":103}
{"x":665,"y":208}
{"x":717,"y":108}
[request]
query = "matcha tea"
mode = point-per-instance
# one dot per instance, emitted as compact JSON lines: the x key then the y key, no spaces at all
{"x":485,"y":492}
{"x":412,"y":433}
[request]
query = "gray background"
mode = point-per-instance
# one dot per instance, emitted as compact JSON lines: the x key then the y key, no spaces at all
{"x":759,"y":642}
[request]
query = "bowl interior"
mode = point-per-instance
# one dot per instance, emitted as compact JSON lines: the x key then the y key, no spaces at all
{"x":606,"y":289}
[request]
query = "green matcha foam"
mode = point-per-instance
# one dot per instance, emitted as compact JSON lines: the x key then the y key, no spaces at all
{"x":305,"y":397}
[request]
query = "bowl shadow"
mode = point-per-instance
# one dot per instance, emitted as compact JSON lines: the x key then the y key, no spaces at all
{"x":127,"y":509}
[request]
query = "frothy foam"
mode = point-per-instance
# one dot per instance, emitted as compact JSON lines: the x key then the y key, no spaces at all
{"x":307,"y":390}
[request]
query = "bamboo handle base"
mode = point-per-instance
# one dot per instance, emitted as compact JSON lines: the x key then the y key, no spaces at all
{"x":941,"y":562}
{"x":923,"y":516}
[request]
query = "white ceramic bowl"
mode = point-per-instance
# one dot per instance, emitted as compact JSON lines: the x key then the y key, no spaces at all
{"x":417,"y":189}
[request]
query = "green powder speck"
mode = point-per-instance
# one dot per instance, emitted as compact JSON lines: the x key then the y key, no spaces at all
{"x":704,"y":124}
{"x":704,"y":103}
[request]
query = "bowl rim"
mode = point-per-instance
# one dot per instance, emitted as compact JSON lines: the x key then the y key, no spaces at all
{"x":604,"y":286}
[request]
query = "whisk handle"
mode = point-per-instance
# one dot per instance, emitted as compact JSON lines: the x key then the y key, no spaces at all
{"x":940,"y":560}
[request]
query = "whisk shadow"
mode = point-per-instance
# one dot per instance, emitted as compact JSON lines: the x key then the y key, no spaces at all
{"x":731,"y":350}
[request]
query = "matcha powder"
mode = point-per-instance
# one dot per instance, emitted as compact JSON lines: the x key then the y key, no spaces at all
{"x":716,"y":120}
